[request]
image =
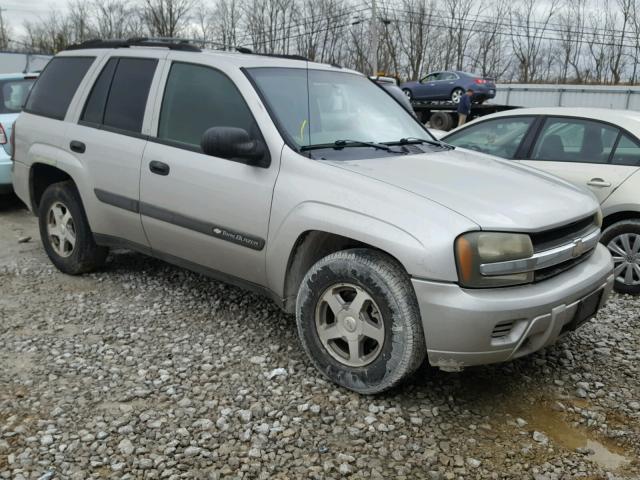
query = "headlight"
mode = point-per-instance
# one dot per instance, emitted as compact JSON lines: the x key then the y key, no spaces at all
{"x":477,"y":248}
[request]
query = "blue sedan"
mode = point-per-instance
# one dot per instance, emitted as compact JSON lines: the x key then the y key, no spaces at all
{"x":13,"y":93}
{"x":449,"y":86}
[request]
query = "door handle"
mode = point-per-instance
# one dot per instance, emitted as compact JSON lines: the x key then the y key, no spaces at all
{"x":159,"y":168}
{"x":598,"y":182}
{"x":77,"y":146}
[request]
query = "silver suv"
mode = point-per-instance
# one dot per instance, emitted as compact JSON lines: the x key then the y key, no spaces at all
{"x":312,"y":185}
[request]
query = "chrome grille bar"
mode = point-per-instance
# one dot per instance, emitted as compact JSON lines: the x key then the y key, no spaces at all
{"x":545,"y":258}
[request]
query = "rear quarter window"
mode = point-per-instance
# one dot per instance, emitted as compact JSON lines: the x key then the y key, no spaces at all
{"x":54,"y":89}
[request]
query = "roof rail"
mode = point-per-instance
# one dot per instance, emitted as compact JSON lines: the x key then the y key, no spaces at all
{"x":277,"y":55}
{"x":134,"y":42}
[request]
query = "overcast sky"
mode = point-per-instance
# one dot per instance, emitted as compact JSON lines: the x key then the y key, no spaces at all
{"x":17,"y":11}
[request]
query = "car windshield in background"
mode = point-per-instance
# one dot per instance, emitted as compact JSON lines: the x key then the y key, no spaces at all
{"x":13,"y":94}
{"x":319,"y":107}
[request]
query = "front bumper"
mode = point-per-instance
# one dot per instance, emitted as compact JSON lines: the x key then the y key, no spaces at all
{"x":465,"y":327}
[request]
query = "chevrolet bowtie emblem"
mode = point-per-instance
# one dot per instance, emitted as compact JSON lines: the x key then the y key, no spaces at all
{"x":578,"y":248}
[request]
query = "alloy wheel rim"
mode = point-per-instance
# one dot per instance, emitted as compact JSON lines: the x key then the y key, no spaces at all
{"x":455,"y":96}
{"x":349,"y":325}
{"x":625,"y":249}
{"x":61,"y":230}
{"x":407,"y":93}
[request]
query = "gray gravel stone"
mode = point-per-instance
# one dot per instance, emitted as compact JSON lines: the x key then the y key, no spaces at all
{"x":144,"y":370}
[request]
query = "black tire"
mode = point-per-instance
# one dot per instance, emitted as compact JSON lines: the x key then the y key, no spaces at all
{"x":408,"y":93}
{"x":456,"y":95}
{"x":85,"y":256}
{"x":441,"y":121}
{"x":632,"y":227}
{"x":388,"y":285}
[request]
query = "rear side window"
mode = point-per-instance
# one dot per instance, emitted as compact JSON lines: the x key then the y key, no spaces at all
{"x":118,"y":98}
{"x":94,"y":108}
{"x":197,"y":98}
{"x":575,"y":140}
{"x":13,"y":94}
{"x":52,"y":93}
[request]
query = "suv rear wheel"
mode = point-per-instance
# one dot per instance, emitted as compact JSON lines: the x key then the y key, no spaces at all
{"x":359,"y":322}
{"x":623,"y":241}
{"x":65,"y":232}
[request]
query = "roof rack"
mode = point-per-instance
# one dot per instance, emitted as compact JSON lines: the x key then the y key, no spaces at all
{"x":277,"y":55}
{"x":135,"y":42}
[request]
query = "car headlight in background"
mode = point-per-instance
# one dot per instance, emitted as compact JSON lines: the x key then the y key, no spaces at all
{"x":599,"y":218}
{"x":476,"y":248}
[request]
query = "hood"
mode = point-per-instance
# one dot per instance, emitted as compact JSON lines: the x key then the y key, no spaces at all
{"x":494,"y":193}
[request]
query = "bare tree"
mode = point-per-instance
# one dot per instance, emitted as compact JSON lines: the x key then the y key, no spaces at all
{"x":528,"y":31}
{"x":487,"y":50}
{"x":166,"y":18}
{"x":525,"y":40}
{"x":227,"y":17}
{"x":116,"y":19}
{"x":618,"y":37}
{"x":462,"y":17}
{"x":4,"y":32}
{"x":596,"y":60}
{"x":572,"y":22}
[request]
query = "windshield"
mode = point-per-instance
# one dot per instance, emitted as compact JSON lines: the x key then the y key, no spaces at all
{"x":13,"y":93}
{"x":332,"y":106}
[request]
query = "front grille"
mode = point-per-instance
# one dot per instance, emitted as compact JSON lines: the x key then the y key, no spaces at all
{"x":563,"y":235}
{"x":544,"y":273}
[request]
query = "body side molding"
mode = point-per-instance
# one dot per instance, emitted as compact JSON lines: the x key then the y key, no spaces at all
{"x":164,"y":215}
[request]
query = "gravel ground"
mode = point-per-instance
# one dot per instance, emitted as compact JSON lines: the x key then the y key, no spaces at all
{"x":144,"y":370}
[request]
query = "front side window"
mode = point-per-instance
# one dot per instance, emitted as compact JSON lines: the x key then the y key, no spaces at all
{"x":56,"y":86}
{"x":197,"y":98}
{"x":13,"y":93}
{"x":627,"y":152}
{"x":432,"y":77}
{"x":574,"y":140}
{"x":318,"y":107}
{"x":500,"y":137}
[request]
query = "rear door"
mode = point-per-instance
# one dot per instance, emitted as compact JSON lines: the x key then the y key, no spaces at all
{"x":208,"y":211}
{"x":109,"y":139}
{"x":445,"y":85}
{"x":582,"y":152}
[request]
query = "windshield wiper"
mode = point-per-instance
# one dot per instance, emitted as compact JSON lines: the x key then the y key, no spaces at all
{"x":340,"y":144}
{"x":415,"y":140}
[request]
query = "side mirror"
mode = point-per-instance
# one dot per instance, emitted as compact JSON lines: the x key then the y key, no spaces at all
{"x":234,"y":143}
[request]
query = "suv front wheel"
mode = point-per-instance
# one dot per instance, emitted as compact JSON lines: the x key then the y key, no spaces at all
{"x":65,"y":232}
{"x":359,"y":322}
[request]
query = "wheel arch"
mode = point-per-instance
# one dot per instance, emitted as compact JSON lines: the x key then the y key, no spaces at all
{"x":619,"y":216}
{"x":310,"y":247}
{"x":41,"y":176}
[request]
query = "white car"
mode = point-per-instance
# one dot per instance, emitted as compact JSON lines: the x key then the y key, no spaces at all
{"x":590,"y":147}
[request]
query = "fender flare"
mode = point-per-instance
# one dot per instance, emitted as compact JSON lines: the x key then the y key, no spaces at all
{"x":328,"y":218}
